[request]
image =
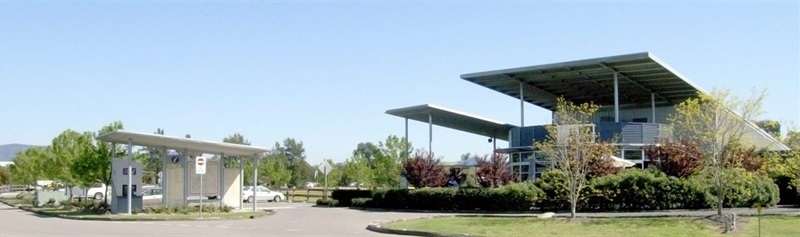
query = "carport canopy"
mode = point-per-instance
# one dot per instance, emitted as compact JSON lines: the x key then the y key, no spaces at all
{"x":186,"y":145}
{"x":191,"y":145}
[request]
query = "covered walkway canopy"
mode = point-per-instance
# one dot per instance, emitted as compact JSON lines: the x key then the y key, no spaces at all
{"x":186,"y":146}
{"x":449,"y":118}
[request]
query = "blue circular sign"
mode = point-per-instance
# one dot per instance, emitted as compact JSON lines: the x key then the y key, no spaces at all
{"x":176,"y":159}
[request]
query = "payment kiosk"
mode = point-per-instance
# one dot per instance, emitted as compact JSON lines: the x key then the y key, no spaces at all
{"x":119,"y":179}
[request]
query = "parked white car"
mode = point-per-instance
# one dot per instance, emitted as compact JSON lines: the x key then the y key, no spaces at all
{"x":263,"y":194}
{"x":152,"y":196}
{"x":97,"y":191}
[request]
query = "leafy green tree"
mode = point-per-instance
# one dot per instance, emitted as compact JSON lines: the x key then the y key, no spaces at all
{"x":335,"y":175}
{"x":273,"y":170}
{"x":152,"y":161}
{"x":792,"y":140}
{"x":295,"y":155}
{"x":105,"y":152}
{"x":5,"y":175}
{"x":68,"y":147}
{"x":357,"y":170}
{"x":717,"y":122}
{"x":28,"y":165}
{"x":573,"y":146}
{"x":770,"y":126}
{"x":387,"y":161}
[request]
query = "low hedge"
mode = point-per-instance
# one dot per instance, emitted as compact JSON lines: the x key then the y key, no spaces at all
{"x":512,"y":197}
{"x":649,"y":189}
{"x":343,"y":196}
{"x":327,"y":202}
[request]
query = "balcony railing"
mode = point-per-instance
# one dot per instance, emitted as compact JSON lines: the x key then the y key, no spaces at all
{"x":628,"y":133}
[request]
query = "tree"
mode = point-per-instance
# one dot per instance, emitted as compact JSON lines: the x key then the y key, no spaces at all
{"x":717,"y":121}
{"x":493,"y":172}
{"x":295,"y":155}
{"x":105,"y":152}
{"x":770,"y":126}
{"x":681,"y":158}
{"x":357,"y":170}
{"x":273,"y":170}
{"x":368,"y":151}
{"x":424,"y":170}
{"x":572,"y":147}
{"x":387,"y":162}
{"x":152,"y":163}
{"x":466,"y":156}
{"x":792,"y":140}
{"x":5,"y":175}
{"x":71,"y":153}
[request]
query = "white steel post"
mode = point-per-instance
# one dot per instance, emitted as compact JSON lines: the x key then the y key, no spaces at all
{"x":130,"y":174}
{"x":430,"y":133}
{"x":241,"y":183}
{"x":616,"y":98}
{"x":255,"y":181}
{"x":164,"y":188}
{"x":406,"y":140}
{"x":221,"y":195}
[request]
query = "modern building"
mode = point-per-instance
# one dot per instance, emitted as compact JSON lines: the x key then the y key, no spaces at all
{"x":636,"y":92}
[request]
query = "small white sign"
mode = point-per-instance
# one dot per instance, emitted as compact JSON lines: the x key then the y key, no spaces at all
{"x":200,"y":165}
{"x":325,"y":167}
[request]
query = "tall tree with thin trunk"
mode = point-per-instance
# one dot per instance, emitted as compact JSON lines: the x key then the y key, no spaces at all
{"x":571,"y":145}
{"x":718,"y":122}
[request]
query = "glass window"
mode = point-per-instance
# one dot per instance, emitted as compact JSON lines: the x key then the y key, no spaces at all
{"x":263,"y":189}
{"x":515,"y":158}
{"x":633,"y":154}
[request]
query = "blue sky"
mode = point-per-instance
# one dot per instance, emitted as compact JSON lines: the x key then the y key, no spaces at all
{"x":325,"y":72}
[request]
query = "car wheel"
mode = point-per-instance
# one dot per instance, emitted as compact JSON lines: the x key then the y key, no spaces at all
{"x":250,"y":199}
{"x":277,"y":199}
{"x":98,"y":196}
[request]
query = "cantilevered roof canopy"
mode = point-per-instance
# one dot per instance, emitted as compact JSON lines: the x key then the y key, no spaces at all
{"x":456,"y":120}
{"x":581,"y":81}
{"x":155,"y":140}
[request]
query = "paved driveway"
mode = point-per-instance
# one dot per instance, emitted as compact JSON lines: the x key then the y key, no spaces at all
{"x":290,"y":219}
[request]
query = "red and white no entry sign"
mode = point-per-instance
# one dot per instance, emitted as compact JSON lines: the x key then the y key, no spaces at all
{"x":200,"y":165}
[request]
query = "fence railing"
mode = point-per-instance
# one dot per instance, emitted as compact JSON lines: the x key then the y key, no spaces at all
{"x":13,"y":188}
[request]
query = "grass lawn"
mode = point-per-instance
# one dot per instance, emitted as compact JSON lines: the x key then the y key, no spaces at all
{"x":499,"y":226}
{"x":13,"y":201}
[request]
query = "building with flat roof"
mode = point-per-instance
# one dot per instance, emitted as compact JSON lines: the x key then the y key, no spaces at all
{"x":636,"y":94}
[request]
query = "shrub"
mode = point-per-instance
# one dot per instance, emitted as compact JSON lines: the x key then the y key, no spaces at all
{"x":681,"y":158}
{"x":519,"y":197}
{"x":424,"y":170}
{"x":328,"y":202}
{"x":361,"y":202}
{"x":636,"y":189}
{"x":744,"y":189}
{"x":343,"y":196}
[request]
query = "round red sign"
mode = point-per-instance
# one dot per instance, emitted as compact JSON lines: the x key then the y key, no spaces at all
{"x":201,"y":161}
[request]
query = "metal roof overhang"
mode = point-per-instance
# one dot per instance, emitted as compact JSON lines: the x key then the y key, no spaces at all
{"x":592,"y":80}
{"x":456,"y":120}
{"x":192,"y":145}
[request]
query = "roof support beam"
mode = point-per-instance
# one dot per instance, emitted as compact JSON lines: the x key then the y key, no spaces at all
{"x":533,"y":90}
{"x":521,"y":105}
{"x":632,"y":81}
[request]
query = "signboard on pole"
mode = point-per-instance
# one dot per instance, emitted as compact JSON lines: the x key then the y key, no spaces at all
{"x":200,"y":165}
{"x":325,"y":167}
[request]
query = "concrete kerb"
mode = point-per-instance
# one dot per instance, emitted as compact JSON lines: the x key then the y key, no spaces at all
{"x":111,"y":218}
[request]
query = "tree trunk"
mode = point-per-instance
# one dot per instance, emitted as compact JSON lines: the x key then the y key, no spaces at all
{"x":572,"y":208}
{"x":720,"y":199}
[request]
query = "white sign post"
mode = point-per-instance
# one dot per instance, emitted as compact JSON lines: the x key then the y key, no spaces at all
{"x":325,"y":167}
{"x":200,"y":168}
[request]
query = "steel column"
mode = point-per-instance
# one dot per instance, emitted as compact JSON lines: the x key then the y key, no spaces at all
{"x":521,"y":106}
{"x":221,"y":195}
{"x":165,"y":163}
{"x":241,"y":182}
{"x":130,"y":174}
{"x":653,"y":105}
{"x":430,"y":133}
{"x":255,"y":181}
{"x":406,"y":140}
{"x":616,"y":98}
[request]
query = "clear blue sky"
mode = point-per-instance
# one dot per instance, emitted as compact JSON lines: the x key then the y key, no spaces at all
{"x":325,"y":73}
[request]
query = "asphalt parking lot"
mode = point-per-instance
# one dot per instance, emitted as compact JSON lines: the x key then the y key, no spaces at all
{"x":290,"y":219}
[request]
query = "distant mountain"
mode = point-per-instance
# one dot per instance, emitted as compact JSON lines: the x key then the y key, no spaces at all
{"x":9,"y":151}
